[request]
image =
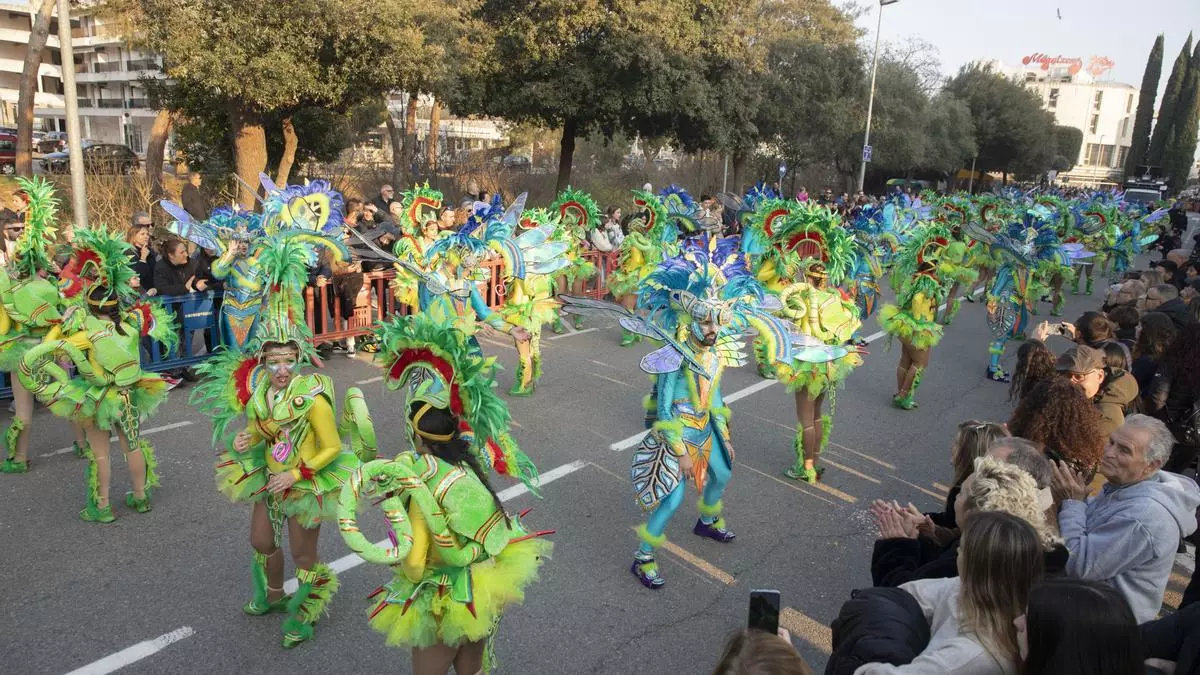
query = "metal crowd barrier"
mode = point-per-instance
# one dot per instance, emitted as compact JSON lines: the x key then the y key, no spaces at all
{"x":198,"y":313}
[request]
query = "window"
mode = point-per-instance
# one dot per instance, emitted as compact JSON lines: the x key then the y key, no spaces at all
{"x":1106,"y":154}
{"x":1129,"y":104}
{"x":1094,"y":124}
{"x":1052,"y":101}
{"x":1098,"y":98}
{"x":1121,"y":130}
{"x":1122,"y":154}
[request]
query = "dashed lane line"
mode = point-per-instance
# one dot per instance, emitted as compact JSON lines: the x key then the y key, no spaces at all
{"x":572,"y":333}
{"x":145,"y":432}
{"x":371,"y":380}
{"x":131,"y":655}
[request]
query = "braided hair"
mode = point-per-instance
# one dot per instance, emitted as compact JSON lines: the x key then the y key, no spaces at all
{"x":430,"y":421}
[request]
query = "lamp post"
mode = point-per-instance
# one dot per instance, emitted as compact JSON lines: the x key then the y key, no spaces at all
{"x":862,"y":169}
{"x":70,"y":96}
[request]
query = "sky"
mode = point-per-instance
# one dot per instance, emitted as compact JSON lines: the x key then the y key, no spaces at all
{"x":967,"y":30}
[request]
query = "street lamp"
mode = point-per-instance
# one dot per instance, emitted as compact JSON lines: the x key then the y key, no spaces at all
{"x":862,"y":169}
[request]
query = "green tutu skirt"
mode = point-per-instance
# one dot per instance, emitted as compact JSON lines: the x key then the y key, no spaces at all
{"x":12,"y":350}
{"x":814,"y":378}
{"x":243,"y":476}
{"x":622,"y":282}
{"x":899,"y":323}
{"x":434,"y":617}
{"x":109,"y":408}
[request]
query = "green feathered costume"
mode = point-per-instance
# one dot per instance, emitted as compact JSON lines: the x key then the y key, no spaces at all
{"x":458,"y":559}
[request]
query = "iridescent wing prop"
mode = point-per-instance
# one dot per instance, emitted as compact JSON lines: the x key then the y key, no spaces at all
{"x":432,"y":284}
{"x":631,"y":322}
{"x":655,"y":471}
{"x":184,"y":226}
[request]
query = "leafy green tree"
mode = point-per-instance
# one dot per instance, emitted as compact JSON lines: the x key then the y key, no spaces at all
{"x":262,"y":62}
{"x":1012,"y":131}
{"x":1145,"y":108}
{"x":949,"y":135}
{"x":1181,"y":151}
{"x":1168,"y":109}
{"x":1067,"y":142}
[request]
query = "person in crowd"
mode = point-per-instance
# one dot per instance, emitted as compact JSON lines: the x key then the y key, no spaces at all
{"x":1165,"y":298}
{"x":1112,"y":390}
{"x":1078,"y":627}
{"x":1156,"y":333}
{"x":1153,"y":277}
{"x":191,"y":199}
{"x":900,"y":555}
{"x":1171,"y":272}
{"x":1171,"y":644}
{"x":599,"y":240}
{"x":1126,"y":318}
{"x":1130,"y":292}
{"x":1059,"y":416}
{"x":1035,"y":363}
{"x":971,"y":617}
{"x":1191,"y":273}
{"x":368,"y":219}
{"x":756,"y":652}
{"x":802,"y":195}
{"x":175,"y":273}
{"x":972,"y":441}
{"x":1178,"y":217}
{"x":1119,"y":387}
{"x":1193,"y":304}
{"x":1127,"y":535}
{"x":342,"y":289}
{"x":449,"y":219}
{"x":612,"y":227}
{"x":144,"y":257}
{"x":13,"y":226}
{"x":1173,"y":396}
{"x":383,"y":203}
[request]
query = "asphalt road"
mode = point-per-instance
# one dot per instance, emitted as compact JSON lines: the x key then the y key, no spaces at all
{"x":162,"y":592}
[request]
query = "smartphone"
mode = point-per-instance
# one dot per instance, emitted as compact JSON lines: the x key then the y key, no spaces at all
{"x":764,"y":611}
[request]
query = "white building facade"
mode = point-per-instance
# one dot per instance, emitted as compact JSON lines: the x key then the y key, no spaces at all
{"x":1074,"y":91}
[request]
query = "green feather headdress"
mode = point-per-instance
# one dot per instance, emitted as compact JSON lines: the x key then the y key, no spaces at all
{"x":808,"y":234}
{"x":32,"y":250}
{"x":419,"y":204}
{"x":451,"y":374}
{"x":99,"y":257}
{"x":577,"y":211}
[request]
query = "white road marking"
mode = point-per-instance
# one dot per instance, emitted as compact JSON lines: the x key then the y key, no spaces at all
{"x":131,"y":655}
{"x":573,"y":332}
{"x":875,"y":336}
{"x":752,"y":389}
{"x":351,"y":561}
{"x":371,"y":380}
{"x":605,"y":377}
{"x":145,"y":432}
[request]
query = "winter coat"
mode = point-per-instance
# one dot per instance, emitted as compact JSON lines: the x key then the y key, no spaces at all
{"x":1127,"y":536}
{"x":1169,"y":400}
{"x":1179,"y":312}
{"x":1118,"y":392}
{"x":877,"y":625}
{"x":950,"y":650}
{"x":1175,"y":637}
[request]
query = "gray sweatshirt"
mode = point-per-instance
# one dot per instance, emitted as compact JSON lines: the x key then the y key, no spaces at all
{"x":1127,"y":536}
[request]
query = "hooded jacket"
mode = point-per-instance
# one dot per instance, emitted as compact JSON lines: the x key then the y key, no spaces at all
{"x":1114,"y":399}
{"x":1178,"y":310}
{"x":1127,"y":536}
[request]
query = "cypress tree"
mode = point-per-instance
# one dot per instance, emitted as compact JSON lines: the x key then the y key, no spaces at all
{"x":1182,"y":149}
{"x":1170,"y":104}
{"x":1145,"y":108}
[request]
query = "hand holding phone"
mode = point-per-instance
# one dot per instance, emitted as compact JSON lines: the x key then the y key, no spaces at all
{"x":764,"y":611}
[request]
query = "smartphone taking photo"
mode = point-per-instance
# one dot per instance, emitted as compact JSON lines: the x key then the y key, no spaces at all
{"x":764,"y":611}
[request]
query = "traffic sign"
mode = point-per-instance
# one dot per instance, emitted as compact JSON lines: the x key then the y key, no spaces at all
{"x":782,"y":169}
{"x":866,"y":153}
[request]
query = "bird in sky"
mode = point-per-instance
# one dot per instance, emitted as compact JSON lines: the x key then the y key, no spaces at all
{"x":1059,"y":10}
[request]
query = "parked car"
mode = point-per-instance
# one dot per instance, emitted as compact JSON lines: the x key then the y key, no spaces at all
{"x":517,"y":162}
{"x":54,"y":141}
{"x":8,"y":154}
{"x":97,"y":158}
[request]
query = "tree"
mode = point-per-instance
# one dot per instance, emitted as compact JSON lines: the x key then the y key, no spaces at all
{"x":1169,"y":108}
{"x":1145,"y":108}
{"x":899,"y":120}
{"x":607,"y":65}
{"x":1067,"y":142}
{"x":1012,"y":130}
{"x":27,"y":87}
{"x":257,"y":60}
{"x":949,"y":135}
{"x":1181,"y":151}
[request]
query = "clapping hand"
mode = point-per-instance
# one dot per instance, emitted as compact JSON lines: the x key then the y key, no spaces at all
{"x":893,"y":523}
{"x":1066,"y":483}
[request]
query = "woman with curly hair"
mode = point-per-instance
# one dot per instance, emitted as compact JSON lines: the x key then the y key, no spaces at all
{"x":1156,"y":334}
{"x":1057,"y":414}
{"x":1174,"y":392}
{"x":1035,"y":363}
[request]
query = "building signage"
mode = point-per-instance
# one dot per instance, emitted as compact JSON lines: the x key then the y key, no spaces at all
{"x":1096,"y":65}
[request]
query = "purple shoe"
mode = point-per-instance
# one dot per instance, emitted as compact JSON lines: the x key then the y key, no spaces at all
{"x":649,"y":578}
{"x":713,"y":531}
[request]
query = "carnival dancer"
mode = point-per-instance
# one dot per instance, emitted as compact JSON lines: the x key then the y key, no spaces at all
{"x":649,"y":242}
{"x":30,"y":307}
{"x":699,"y":303}
{"x":1097,"y":207}
{"x":418,"y":231}
{"x":578,"y":214}
{"x":110,"y":394}
{"x":236,"y":236}
{"x":1025,"y":246}
{"x":913,"y":319}
{"x":954,"y":265}
{"x":458,"y":559}
{"x":289,"y":461}
{"x":529,"y":300}
{"x":813,"y":253}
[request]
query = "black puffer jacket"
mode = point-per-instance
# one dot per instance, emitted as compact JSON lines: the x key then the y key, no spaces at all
{"x":877,"y":625}
{"x":1169,"y":400}
{"x":1175,"y":637}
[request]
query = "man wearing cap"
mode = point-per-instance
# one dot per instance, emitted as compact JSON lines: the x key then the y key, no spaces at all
{"x":1111,"y":390}
{"x":1127,"y":535}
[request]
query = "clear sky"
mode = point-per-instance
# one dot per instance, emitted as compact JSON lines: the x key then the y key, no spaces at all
{"x":966,"y":30}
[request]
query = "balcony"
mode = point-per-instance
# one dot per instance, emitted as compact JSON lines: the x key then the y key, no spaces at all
{"x":142,"y":64}
{"x":137,"y":103}
{"x":109,"y":67}
{"x":110,"y":103}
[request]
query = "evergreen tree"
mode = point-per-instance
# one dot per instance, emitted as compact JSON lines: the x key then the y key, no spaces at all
{"x":1182,"y":147}
{"x":1170,"y":104}
{"x":1145,"y":108}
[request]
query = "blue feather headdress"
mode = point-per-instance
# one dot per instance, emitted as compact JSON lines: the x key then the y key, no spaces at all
{"x":315,"y":206}
{"x":708,"y":280}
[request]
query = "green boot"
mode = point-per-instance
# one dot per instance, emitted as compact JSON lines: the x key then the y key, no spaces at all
{"x":517,"y":389}
{"x":1075,"y":286}
{"x":797,"y":471}
{"x":906,"y":401}
{"x":310,"y":601}
{"x":558,"y":326}
{"x":1089,"y":286}
{"x":11,"y":437}
{"x":578,"y":322}
{"x":79,"y":448}
{"x":1057,"y":310}
{"x":140,"y":505}
{"x":260,"y":604}
{"x":93,"y":512}
{"x":629,"y":337}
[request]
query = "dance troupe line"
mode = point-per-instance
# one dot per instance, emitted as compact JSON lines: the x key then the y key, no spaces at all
{"x":797,"y":284}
